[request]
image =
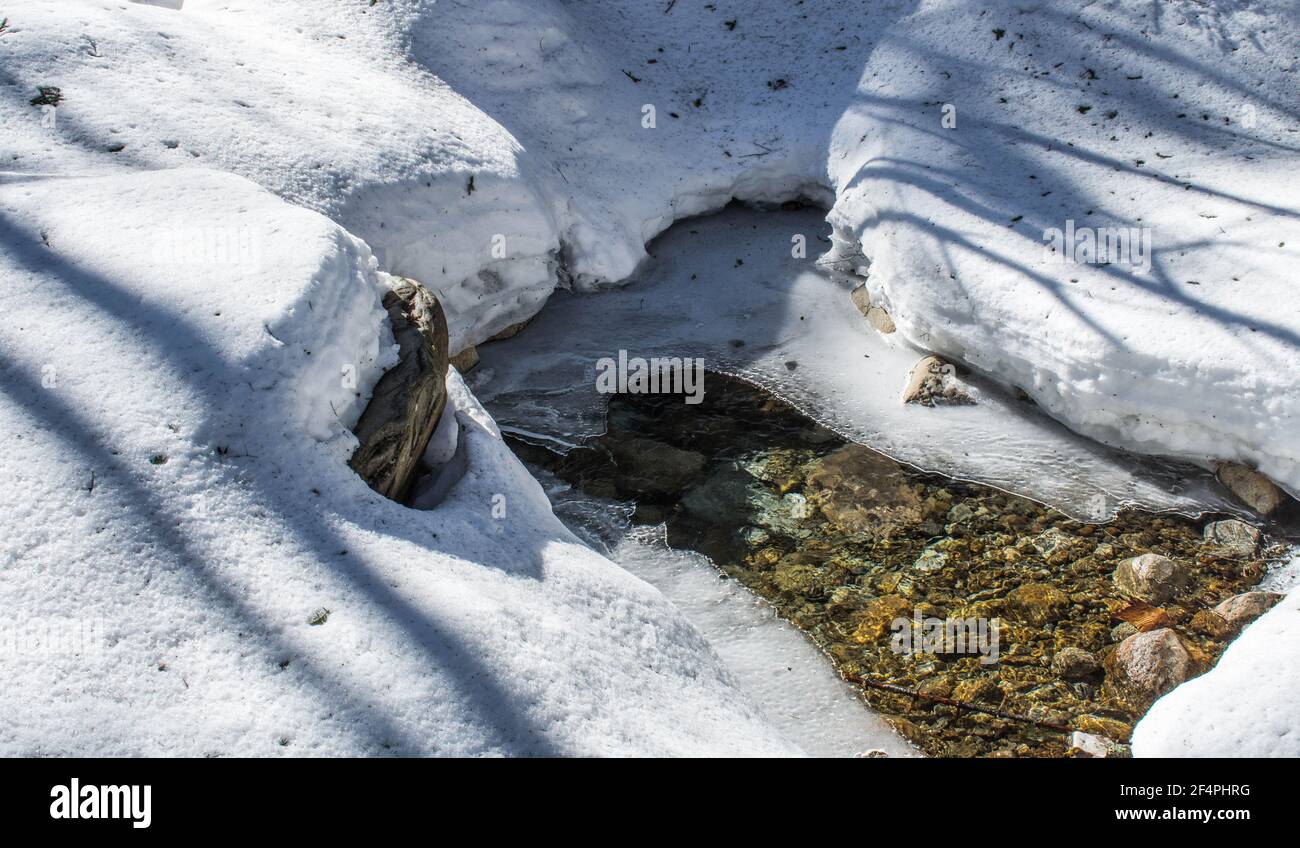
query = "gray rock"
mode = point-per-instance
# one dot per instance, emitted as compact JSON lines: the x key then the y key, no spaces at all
{"x":409,"y":399}
{"x":1122,"y":631}
{"x":1240,"y":610}
{"x":933,"y":382}
{"x":1147,"y":665}
{"x":1237,"y":538}
{"x":1075,"y":664}
{"x":1254,"y":489}
{"x":1150,"y":577}
{"x":728,"y":495}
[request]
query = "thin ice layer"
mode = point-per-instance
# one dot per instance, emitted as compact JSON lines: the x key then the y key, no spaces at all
{"x":794,"y":685}
{"x":733,"y":290}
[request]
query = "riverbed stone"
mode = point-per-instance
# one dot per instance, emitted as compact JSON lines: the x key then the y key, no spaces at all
{"x":1037,"y":603}
{"x":1240,"y":610}
{"x":934,"y":382}
{"x":646,"y":468}
{"x":1210,"y":624}
{"x":1150,"y":577}
{"x":1253,"y":488}
{"x":1147,"y":665}
{"x":409,"y":398}
{"x":1111,"y":728}
{"x":726,"y":495}
{"x":1075,"y":663}
{"x":1090,"y":746}
{"x":861,"y":491}
{"x":977,"y":690}
{"x":1234,"y":537}
{"x":877,"y":616}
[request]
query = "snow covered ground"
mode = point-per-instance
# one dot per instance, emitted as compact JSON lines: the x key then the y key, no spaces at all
{"x":493,"y":150}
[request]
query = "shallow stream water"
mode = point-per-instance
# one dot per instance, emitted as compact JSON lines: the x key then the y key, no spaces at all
{"x":804,"y":505}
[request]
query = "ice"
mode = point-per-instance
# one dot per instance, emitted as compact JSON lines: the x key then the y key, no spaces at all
{"x":792,"y":682}
{"x":728,"y":288}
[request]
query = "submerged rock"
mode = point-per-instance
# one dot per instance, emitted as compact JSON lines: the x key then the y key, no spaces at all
{"x":409,"y":399}
{"x":1147,"y":665}
{"x":1210,"y":623}
{"x":933,"y":382}
{"x":1236,"y":538}
{"x":877,"y":616}
{"x":1240,"y":610}
{"x":1037,"y":603}
{"x":1089,"y":745}
{"x":862,"y":491}
{"x":1150,"y":577}
{"x":647,"y":468}
{"x":1254,"y":489}
{"x":1075,"y":664}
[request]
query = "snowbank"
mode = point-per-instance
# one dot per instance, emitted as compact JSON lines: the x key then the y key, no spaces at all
{"x":177,"y":512}
{"x":1245,"y":706}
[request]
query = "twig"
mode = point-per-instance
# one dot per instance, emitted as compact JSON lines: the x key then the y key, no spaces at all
{"x":669,"y":7}
{"x":952,"y":702}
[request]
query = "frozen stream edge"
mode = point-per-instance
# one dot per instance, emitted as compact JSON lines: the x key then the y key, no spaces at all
{"x":796,"y":687}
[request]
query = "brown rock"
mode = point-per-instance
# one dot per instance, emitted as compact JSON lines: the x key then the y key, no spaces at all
{"x":933,"y":382}
{"x":1210,"y":623}
{"x":1102,"y":726}
{"x":465,"y":360}
{"x":860,"y":490}
{"x":876,"y":315}
{"x":878,"y":615}
{"x":1142,"y":617}
{"x":1145,"y":666}
{"x":1037,"y":603}
{"x":511,"y":331}
{"x":408,"y":400}
{"x":1150,"y":577}
{"x":1254,"y":489}
{"x":978,"y":690}
{"x":1240,"y":610}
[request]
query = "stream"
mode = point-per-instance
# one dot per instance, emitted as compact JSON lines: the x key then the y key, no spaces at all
{"x":806,"y":520}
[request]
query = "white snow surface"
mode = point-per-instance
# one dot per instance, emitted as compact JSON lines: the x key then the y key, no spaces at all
{"x":177,"y":509}
{"x":494,"y":150}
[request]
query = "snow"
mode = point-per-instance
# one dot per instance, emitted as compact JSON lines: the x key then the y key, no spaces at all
{"x":175,"y":476}
{"x":727,"y":289}
{"x":497,"y":151}
{"x":1245,"y":707}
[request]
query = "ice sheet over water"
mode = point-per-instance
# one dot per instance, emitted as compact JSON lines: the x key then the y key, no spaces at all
{"x":728,"y":288}
{"x":772,"y":661}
